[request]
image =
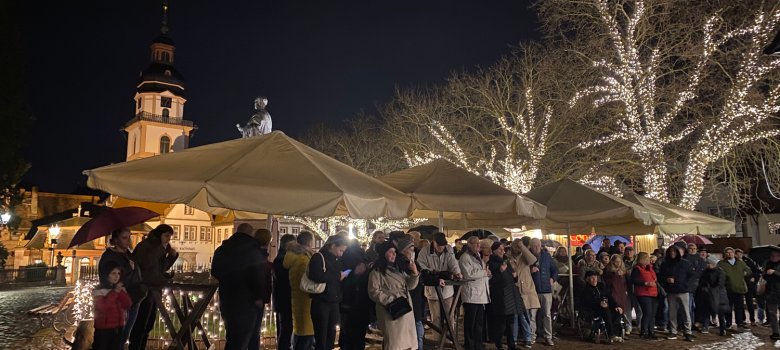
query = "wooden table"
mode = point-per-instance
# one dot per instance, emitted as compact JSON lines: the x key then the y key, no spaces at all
{"x":189,"y":314}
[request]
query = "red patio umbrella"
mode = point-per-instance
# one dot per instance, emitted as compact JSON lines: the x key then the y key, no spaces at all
{"x":695,"y":239}
{"x":110,"y":219}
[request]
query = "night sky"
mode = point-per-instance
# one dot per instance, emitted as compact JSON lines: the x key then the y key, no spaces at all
{"x":316,"y":61}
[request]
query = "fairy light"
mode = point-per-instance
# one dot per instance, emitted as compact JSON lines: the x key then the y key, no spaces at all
{"x":631,"y":80}
{"x":83,"y":304}
{"x":315,"y":224}
{"x":514,"y":160}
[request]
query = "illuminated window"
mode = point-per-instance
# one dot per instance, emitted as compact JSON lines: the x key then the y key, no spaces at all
{"x":190,"y":232}
{"x":205,"y":233}
{"x":296,"y":230}
{"x":188,"y":210}
{"x":774,"y":228}
{"x":176,"y":229}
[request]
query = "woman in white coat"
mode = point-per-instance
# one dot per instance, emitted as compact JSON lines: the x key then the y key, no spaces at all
{"x":388,"y":281}
{"x":475,"y":294}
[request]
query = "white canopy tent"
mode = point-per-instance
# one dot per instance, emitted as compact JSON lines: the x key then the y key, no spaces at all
{"x":681,"y":221}
{"x":270,"y":173}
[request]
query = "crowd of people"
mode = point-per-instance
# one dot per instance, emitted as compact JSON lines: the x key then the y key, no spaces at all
{"x":508,"y":290}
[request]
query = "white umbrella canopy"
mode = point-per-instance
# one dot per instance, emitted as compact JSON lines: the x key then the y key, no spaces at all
{"x":272,"y":173}
{"x":681,"y":221}
{"x":442,"y":187}
{"x":574,"y":206}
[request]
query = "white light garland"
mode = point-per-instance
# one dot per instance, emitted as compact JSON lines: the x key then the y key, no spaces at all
{"x":648,"y":124}
{"x":318,"y":225}
{"x":83,"y":306}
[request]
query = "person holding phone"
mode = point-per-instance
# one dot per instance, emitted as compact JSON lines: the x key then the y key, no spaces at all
{"x":325,"y":306}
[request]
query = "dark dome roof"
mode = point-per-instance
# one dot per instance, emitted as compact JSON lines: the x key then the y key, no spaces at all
{"x":163,"y":39}
{"x":158,"y":76}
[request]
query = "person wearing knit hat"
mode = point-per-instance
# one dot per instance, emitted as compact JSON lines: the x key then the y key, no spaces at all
{"x":402,"y":244}
{"x":495,"y":246}
{"x":712,"y":299}
{"x":596,"y":301}
{"x":439,"y":259}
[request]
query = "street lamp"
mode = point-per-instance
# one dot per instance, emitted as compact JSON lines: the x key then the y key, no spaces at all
{"x":54,"y":232}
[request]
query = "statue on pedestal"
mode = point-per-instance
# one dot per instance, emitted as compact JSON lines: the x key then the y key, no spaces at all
{"x":259,"y":123}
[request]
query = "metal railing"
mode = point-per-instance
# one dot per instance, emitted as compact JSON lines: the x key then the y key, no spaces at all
{"x":88,"y":273}
{"x":29,"y":274}
{"x":160,"y":119}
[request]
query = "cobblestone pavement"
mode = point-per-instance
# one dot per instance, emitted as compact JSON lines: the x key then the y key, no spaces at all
{"x":16,"y":327}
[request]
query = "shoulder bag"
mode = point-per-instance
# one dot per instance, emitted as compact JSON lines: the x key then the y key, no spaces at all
{"x":309,"y":286}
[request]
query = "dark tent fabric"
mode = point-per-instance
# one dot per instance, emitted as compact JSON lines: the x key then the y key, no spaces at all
{"x":426,"y":231}
{"x":482,"y":234}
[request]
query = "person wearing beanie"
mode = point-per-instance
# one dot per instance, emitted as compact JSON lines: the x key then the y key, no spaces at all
{"x":326,"y":267}
{"x":111,"y":303}
{"x":711,"y":297}
{"x":598,"y":302}
{"x":387,"y":283}
{"x":240,"y":266}
{"x":439,"y":260}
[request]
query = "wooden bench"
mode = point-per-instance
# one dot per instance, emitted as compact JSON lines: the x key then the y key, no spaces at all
{"x":56,"y":314}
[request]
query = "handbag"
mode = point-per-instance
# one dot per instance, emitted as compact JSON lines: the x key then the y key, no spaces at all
{"x":398,"y":307}
{"x":309,"y":286}
{"x":761,"y":286}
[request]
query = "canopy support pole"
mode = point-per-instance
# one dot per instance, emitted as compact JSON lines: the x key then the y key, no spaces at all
{"x":571,"y":277}
{"x":441,"y":221}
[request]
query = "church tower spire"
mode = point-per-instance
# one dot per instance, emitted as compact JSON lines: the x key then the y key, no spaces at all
{"x":158,"y":125}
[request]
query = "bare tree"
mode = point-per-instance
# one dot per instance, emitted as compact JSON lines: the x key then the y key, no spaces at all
{"x":495,"y":122}
{"x":686,"y":82}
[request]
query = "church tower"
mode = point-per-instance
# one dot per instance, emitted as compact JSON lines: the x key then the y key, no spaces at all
{"x":159,"y":126}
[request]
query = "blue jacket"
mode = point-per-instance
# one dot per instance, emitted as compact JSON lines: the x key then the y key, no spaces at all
{"x":547,"y":270}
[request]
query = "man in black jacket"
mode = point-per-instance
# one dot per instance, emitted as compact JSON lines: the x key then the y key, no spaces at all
{"x":675,"y":274}
{"x":752,"y":283}
{"x":699,"y":265}
{"x":598,"y":302}
{"x":281,"y":296}
{"x":239,"y":266}
{"x":355,"y":305}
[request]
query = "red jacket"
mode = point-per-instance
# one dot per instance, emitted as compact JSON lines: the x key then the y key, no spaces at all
{"x":110,"y":308}
{"x":641,"y":275}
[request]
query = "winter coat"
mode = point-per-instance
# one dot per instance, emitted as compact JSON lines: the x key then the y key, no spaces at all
{"x":617,"y":287}
{"x":331,"y":276}
{"x":435,"y":263}
{"x":772,"y":293}
{"x":546,"y":271}
{"x":154,"y":259}
{"x":640,"y":275}
{"x":525,"y":282}
{"x":505,"y":298}
{"x":282,"y":294}
{"x":591,"y":297}
{"x":475,"y":290}
{"x":711,"y":296}
{"x":383,"y":288}
{"x":295,"y":261}
{"x":241,"y":267}
{"x":110,"y":308}
{"x":679,"y":269}
{"x":354,"y":288}
{"x":699,"y":265}
{"x":735,"y":275}
{"x":583,"y":267}
{"x":131,"y":277}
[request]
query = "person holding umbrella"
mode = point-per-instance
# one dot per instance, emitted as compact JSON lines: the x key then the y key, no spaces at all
{"x":154,"y":255}
{"x":119,"y":254}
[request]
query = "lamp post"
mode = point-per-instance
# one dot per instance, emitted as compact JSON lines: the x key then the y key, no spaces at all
{"x":54,"y":232}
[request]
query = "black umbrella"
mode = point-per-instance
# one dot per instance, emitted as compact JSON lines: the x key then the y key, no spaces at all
{"x":760,"y":254}
{"x":426,"y":231}
{"x":482,"y":234}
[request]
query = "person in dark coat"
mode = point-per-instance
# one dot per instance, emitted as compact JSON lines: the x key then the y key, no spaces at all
{"x":711,"y":297}
{"x":119,"y":254}
{"x":325,"y":306}
{"x":239,"y":266}
{"x":598,"y":302}
{"x":675,"y":274}
{"x":772,"y":294}
{"x":355,"y":305}
{"x":506,"y":301}
{"x":752,"y":283}
{"x":263,"y":236}
{"x":699,"y":265}
{"x":154,"y":256}
{"x":282,"y":296}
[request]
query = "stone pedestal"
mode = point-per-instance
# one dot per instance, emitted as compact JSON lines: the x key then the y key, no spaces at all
{"x":59,"y":278}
